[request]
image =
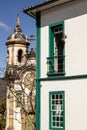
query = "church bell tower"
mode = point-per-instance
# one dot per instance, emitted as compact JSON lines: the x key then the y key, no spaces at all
{"x":17,"y":46}
{"x":20,"y":62}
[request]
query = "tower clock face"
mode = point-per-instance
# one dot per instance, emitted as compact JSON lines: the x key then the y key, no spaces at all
{"x":29,"y":80}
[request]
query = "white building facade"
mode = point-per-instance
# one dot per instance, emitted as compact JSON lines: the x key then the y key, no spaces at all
{"x":61,"y":75}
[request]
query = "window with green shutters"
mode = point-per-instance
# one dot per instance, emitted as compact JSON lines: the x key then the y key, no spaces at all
{"x":56,"y":110}
{"x":56,"y":59}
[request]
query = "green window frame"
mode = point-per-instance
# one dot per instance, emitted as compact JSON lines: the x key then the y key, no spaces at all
{"x":57,"y":110}
{"x":56,"y":59}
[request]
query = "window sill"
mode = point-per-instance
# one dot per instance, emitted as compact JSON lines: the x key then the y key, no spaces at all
{"x":56,"y":128}
{"x":56,"y":73}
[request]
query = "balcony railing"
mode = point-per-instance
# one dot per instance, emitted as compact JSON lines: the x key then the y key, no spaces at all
{"x":56,"y":65}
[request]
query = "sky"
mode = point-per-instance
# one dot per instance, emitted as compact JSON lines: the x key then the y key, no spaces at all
{"x":8,"y":15}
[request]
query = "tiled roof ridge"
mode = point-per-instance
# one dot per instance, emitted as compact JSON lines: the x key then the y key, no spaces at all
{"x":39,"y":4}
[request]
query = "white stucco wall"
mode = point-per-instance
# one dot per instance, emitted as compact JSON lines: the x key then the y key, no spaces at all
{"x":74,"y":15}
{"x":75,"y":103}
{"x":44,"y":50}
{"x":76,"y":45}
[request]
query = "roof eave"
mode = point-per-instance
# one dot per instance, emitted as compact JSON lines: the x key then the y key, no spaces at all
{"x":31,"y":11}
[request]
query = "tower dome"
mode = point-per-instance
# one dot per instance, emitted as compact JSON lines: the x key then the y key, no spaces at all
{"x":17,"y":36}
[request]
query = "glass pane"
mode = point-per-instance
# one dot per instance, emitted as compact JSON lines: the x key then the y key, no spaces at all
{"x":54,"y":124}
{"x":57,"y":124}
{"x":61,"y":124}
{"x":53,"y":107}
{"x":54,"y":118}
{"x":53,"y":101}
{"x":57,"y":118}
{"x":53,"y":96}
{"x":60,"y":96}
{"x":56,"y":101}
{"x":60,"y":101}
{"x":61,"y":118}
{"x":57,"y":96}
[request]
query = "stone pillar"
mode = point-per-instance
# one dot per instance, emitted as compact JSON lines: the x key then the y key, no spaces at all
{"x":23,"y":121}
{"x":11,"y":108}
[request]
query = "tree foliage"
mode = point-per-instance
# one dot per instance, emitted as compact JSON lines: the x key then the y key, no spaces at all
{"x":3,"y":114}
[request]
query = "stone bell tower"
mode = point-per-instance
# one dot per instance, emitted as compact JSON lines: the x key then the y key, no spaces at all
{"x":18,"y":65}
{"x":17,"y":46}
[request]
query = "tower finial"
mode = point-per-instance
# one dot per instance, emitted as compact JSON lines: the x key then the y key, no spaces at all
{"x":18,"y":21}
{"x":18,"y":28}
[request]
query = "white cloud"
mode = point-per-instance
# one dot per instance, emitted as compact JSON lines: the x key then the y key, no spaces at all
{"x":3,"y":25}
